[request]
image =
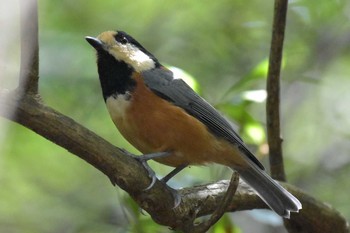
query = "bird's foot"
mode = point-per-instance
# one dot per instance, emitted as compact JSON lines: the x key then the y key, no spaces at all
{"x":143,"y":160}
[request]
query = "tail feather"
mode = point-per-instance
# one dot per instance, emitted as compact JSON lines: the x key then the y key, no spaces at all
{"x":271,"y":192}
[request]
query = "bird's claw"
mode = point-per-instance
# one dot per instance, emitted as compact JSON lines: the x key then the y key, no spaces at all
{"x":143,"y":160}
{"x":151,"y":174}
{"x":176,"y":196}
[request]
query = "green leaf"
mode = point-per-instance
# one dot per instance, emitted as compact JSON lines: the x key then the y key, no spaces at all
{"x":257,"y":96}
{"x":255,"y":132}
{"x":259,"y":72}
{"x":189,"y":79}
{"x":251,"y":130}
{"x":225,"y":225}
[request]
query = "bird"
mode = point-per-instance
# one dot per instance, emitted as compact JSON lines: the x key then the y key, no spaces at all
{"x":166,"y":120}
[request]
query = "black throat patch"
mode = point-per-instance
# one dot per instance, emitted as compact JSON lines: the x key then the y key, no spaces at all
{"x":115,"y":76}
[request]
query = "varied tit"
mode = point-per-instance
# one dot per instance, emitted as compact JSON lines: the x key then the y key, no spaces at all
{"x":168,"y":122}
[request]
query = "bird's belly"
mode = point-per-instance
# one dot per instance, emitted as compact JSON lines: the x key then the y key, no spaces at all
{"x":172,"y":129}
{"x":152,"y":124}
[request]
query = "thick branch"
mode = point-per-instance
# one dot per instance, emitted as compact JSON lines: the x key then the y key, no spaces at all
{"x":128,"y":174}
{"x":28,"y":111}
{"x":315,"y":217}
{"x":220,"y":209}
{"x":29,"y":72}
{"x":273,"y":91}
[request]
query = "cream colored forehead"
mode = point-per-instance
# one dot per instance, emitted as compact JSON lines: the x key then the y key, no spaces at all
{"x":108,"y":37}
{"x":128,"y":53}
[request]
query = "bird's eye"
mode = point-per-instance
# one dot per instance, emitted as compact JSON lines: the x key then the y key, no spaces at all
{"x":124,"y":40}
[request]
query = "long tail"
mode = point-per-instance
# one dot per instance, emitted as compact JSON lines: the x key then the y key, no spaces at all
{"x":272,"y":193}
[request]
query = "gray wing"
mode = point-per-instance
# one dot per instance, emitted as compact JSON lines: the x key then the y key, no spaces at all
{"x":176,"y":91}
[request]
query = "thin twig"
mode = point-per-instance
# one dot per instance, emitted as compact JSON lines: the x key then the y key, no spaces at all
{"x":221,"y":209}
{"x":273,"y":91}
{"x":29,"y":71}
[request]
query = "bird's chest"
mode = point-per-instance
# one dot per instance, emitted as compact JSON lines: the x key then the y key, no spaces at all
{"x":119,"y":106}
{"x":133,"y":120}
{"x":152,"y":124}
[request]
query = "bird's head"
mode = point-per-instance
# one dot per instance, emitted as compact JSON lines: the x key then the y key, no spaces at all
{"x":123,"y":48}
{"x":118,"y":57}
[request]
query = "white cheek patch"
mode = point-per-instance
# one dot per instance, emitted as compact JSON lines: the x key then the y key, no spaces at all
{"x":133,"y":56}
{"x":118,"y":104}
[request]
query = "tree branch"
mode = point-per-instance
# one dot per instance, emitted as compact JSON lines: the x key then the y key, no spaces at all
{"x":315,"y":217}
{"x":273,"y":91}
{"x":29,"y":71}
{"x":121,"y":169}
{"x":131,"y":176}
{"x":220,"y":210}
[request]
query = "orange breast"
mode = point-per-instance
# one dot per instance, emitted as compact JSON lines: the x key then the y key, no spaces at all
{"x":152,"y":124}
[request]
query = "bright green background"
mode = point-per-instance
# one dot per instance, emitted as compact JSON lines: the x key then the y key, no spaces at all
{"x":224,"y":45}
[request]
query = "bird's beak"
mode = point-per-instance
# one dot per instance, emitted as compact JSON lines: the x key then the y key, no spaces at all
{"x":94,"y":42}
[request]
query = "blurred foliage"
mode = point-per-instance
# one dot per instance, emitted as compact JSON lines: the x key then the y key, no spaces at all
{"x":224,"y":45}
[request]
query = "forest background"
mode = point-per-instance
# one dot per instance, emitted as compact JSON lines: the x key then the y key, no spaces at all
{"x":224,"y":46}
